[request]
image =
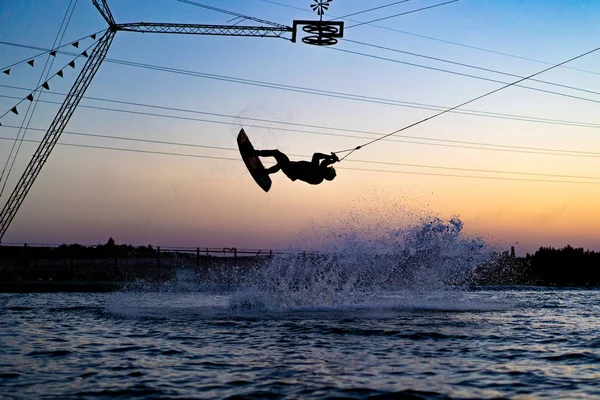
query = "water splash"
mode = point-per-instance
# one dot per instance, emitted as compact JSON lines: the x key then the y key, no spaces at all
{"x":432,"y":258}
{"x":377,"y":255}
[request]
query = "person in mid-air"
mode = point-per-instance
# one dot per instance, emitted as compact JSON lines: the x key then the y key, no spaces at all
{"x":313,"y":172}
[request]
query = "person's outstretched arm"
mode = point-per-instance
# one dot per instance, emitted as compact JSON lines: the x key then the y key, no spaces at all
{"x":328,"y":159}
{"x":318,"y":156}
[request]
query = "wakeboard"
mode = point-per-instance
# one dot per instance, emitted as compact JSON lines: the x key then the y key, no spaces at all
{"x":253,"y":163}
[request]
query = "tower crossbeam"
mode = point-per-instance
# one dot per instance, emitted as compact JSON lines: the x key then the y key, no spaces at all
{"x":197,"y":29}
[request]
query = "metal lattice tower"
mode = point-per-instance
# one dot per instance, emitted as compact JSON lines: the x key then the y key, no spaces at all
{"x":322,"y":33}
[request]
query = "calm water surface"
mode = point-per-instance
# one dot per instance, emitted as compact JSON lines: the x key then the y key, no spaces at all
{"x":201,"y":344}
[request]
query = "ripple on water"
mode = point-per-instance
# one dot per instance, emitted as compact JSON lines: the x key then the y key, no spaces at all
{"x":594,"y":343}
{"x":574,"y":358}
{"x":124,"y":349}
{"x":49,"y":353}
{"x":137,"y":391}
{"x":9,"y":375}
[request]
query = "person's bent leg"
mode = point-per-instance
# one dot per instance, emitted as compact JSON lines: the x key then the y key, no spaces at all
{"x":273,"y":169}
{"x":279,"y":156}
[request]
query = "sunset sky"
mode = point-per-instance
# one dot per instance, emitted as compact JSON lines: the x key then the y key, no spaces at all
{"x":85,"y":195}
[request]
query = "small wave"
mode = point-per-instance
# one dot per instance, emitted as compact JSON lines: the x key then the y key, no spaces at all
{"x":330,"y":392}
{"x":353,"y":331}
{"x":403,"y":301}
{"x":57,"y":340}
{"x":200,"y":363}
{"x":257,"y":394}
{"x":19,"y":308}
{"x":9,"y":375}
{"x":170,"y":352}
{"x":240,"y":383}
{"x":135,"y":392}
{"x":433,"y":336}
{"x":124,"y":349}
{"x":584,"y":356}
{"x":51,"y":353}
{"x":73,"y":309}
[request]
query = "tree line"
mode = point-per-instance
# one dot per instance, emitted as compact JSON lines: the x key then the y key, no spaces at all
{"x":567,"y":266}
{"x":108,"y":250}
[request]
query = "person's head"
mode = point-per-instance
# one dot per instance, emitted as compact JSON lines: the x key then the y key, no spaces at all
{"x":329,"y":173}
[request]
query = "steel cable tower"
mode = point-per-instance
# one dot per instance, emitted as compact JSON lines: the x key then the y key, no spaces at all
{"x":321,"y":33}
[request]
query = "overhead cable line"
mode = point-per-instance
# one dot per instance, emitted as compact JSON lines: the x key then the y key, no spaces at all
{"x":319,"y":91}
{"x":343,"y":168}
{"x":495,"y":71}
{"x":475,"y":170}
{"x":464,"y":74}
{"x":500,"y":53}
{"x":428,"y":141}
{"x":130,"y":139}
{"x":238,"y":15}
{"x":465,"y":176}
{"x":442,"y":40}
{"x":398,"y":15}
{"x":350,"y":151}
{"x":372,"y":9}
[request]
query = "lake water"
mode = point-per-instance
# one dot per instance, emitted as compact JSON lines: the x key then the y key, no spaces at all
{"x":192,"y":342}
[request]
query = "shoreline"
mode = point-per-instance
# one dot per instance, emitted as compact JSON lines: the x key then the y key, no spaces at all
{"x":59,"y":287}
{"x":22,"y":287}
